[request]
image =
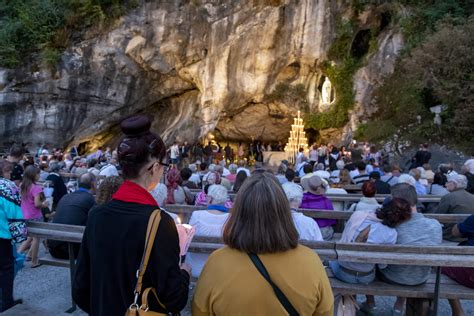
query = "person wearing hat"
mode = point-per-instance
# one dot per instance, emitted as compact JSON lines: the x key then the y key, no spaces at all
{"x":314,"y":198}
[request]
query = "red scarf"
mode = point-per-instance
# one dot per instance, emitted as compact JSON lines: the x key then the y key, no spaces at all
{"x":133,"y":193}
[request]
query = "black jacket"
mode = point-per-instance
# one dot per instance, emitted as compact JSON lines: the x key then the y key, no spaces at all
{"x":110,"y":256}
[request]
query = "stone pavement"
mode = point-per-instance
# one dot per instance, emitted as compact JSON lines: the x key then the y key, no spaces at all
{"x":46,"y":291}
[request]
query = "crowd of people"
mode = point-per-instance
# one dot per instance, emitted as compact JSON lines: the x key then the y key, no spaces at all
{"x":114,"y":192}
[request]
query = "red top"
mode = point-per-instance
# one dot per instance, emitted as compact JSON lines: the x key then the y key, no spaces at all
{"x":133,"y":193}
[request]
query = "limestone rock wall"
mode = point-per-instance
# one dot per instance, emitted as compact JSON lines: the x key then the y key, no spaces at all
{"x":196,"y":66}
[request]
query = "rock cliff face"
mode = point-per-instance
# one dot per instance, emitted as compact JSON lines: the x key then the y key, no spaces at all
{"x":196,"y":66}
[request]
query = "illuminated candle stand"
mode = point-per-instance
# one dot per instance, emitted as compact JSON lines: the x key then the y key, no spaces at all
{"x":296,"y":140}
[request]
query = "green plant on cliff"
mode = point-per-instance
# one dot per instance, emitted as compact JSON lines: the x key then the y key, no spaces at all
{"x":29,"y":27}
{"x":436,"y":67}
{"x":341,"y":74}
{"x":290,"y":94}
{"x":438,"y":71}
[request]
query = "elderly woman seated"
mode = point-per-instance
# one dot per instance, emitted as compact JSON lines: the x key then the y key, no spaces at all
{"x":208,"y":223}
{"x":307,"y":228}
{"x":368,"y":201}
{"x":314,"y":198}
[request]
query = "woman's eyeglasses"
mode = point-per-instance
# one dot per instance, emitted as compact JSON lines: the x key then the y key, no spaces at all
{"x":164,"y":164}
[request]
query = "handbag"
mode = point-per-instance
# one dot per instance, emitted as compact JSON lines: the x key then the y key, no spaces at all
{"x":143,"y":309}
{"x":345,"y":305}
{"x":18,"y":230}
{"x":279,"y":294}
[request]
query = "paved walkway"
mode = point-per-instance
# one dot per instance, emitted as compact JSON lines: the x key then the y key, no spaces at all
{"x":46,"y":291}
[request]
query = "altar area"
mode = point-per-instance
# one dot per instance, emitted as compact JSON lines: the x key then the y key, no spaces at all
{"x":274,"y":158}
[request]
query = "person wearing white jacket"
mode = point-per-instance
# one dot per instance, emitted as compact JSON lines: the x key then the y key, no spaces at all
{"x":307,"y":228}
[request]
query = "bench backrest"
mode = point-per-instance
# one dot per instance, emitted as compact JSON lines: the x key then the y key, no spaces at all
{"x":355,"y":197}
{"x":355,"y":252}
{"x":187,"y":210}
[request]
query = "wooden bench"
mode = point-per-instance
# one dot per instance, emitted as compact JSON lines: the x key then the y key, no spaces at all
{"x":355,"y":197}
{"x":185,"y":212}
{"x":364,"y":253}
{"x":420,"y":298}
{"x":67,"y":233}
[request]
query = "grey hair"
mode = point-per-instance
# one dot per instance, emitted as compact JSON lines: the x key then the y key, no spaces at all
{"x":319,"y":166}
{"x":469,"y":164}
{"x":86,"y":180}
{"x":212,"y":167}
{"x":293,"y":192}
{"x":408,"y":179}
{"x":218,"y":194}
{"x":54,"y":167}
{"x":160,"y":193}
{"x":340,"y":164}
{"x":233,"y":168}
{"x":282,"y":168}
{"x":459,"y":180}
{"x":219,"y":169}
{"x":192,"y":167}
{"x":405,"y":191}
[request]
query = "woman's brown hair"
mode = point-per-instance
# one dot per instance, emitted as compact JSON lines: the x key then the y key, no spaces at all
{"x":138,"y":145}
{"x":107,"y":188}
{"x":260,"y":221}
{"x":29,"y":178}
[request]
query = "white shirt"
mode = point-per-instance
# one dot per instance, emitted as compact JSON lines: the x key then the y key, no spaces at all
{"x":365,"y":204}
{"x":354,"y":173}
{"x":174,"y":152}
{"x":108,"y":171}
{"x":338,"y":206}
{"x":307,"y":227}
{"x":195,"y":178}
{"x":322,"y":174}
{"x":247,"y":171}
{"x":299,"y":158}
{"x":225,"y":172}
{"x":207,"y":225}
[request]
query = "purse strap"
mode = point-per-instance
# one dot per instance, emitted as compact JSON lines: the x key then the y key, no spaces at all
{"x":279,"y":294}
{"x":152,"y":228}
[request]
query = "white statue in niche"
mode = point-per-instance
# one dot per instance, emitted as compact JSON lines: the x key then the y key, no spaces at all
{"x":327,"y":95}
{"x":326,"y":91}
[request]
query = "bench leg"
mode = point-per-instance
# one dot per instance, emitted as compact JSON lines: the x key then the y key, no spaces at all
{"x":72,"y":271}
{"x":418,"y":307}
{"x":434,"y":311}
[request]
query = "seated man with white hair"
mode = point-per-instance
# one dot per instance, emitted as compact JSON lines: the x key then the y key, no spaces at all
{"x":208,"y":223}
{"x":307,"y":228}
{"x":458,"y":200}
{"x":408,"y":179}
{"x":195,"y":176}
{"x":468,"y":170}
{"x":320,"y":171}
{"x":335,"y":174}
{"x":420,"y":188}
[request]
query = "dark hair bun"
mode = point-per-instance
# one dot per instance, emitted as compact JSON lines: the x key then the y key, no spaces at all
{"x":136,"y":126}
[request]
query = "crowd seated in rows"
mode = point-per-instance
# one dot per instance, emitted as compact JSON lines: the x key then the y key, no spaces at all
{"x":208,"y":223}
{"x":260,"y":228}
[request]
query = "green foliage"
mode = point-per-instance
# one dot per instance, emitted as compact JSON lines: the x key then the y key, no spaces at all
{"x":438,"y":71}
{"x":341,"y":76}
{"x":426,"y":15}
{"x":45,"y":26}
{"x":290,"y":94}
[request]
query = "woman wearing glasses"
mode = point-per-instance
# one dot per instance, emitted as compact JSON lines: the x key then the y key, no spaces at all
{"x":114,"y":238}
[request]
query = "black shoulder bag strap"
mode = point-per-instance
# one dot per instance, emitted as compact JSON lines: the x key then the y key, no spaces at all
{"x":279,"y":294}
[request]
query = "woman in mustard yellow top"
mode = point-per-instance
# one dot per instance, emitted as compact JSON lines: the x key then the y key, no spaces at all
{"x":261,"y":223}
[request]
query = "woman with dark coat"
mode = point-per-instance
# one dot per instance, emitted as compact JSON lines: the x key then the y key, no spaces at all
{"x":114,"y":238}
